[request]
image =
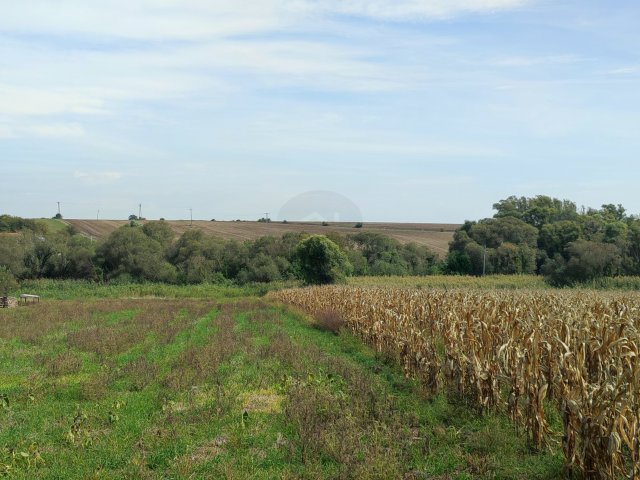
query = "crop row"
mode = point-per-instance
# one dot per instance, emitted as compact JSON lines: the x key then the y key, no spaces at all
{"x":532,"y":354}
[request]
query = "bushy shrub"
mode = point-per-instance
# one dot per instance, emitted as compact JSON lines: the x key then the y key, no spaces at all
{"x":586,"y":262}
{"x":7,"y":281}
{"x":320,"y":261}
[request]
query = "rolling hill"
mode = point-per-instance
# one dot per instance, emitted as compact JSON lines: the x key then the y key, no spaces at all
{"x":433,"y":235}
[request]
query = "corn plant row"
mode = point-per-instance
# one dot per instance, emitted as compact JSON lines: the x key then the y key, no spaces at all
{"x":521,"y":352}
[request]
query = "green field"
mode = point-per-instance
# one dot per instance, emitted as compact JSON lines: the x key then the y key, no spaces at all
{"x":225,"y":387}
{"x":490,"y":282}
{"x":52,"y":225}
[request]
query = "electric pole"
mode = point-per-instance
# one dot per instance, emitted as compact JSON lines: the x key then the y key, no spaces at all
{"x":191,"y":217}
{"x":484,"y":259}
{"x":266,"y":217}
{"x":98,"y":215}
{"x":58,"y":208}
{"x":139,"y":211}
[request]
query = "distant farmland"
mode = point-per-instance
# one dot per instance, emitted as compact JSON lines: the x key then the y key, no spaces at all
{"x":434,"y":235}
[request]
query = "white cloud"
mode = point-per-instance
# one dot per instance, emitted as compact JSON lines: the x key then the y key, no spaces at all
{"x":6,"y":131}
{"x":68,"y":76}
{"x":414,"y":10}
{"x":57,"y":130}
{"x":632,"y":70}
{"x":531,"y":61}
{"x":144,"y":19}
{"x":199,"y":19}
{"x":16,"y":100}
{"x":98,"y":178}
{"x":380,"y":146}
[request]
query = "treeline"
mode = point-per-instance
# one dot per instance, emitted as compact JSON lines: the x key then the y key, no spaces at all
{"x":538,"y":235}
{"x":551,"y":237}
{"x":152,"y":252}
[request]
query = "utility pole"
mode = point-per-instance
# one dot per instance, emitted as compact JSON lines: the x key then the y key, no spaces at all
{"x":139,"y":211}
{"x":191,"y":217}
{"x":98,"y":215}
{"x":58,"y":208}
{"x":266,"y":216}
{"x":484,"y":259}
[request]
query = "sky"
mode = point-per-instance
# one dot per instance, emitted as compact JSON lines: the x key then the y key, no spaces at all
{"x":412,"y":111}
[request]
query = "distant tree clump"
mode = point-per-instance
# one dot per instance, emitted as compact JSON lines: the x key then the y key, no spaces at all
{"x":129,"y":253}
{"x":493,"y":245}
{"x":551,"y":237}
{"x":13,"y":224}
{"x":586,"y":262}
{"x":320,"y":261}
{"x":161,"y":232}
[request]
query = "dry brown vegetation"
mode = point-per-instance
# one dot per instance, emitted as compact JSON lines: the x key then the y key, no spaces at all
{"x":534,"y":355}
{"x":433,"y":235}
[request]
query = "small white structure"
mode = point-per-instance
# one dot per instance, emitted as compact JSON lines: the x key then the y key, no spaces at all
{"x":27,"y":296}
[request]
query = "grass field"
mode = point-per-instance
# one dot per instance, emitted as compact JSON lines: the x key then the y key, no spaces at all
{"x":225,"y":387}
{"x":491,"y":282}
{"x":453,"y":281}
{"x":435,"y":236}
{"x":53,"y":225}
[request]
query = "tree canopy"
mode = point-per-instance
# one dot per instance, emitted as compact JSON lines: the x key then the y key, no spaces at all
{"x":320,"y":261}
{"x":549,"y":236}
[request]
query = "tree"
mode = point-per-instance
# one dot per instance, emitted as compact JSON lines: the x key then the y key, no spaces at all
{"x":493,"y":245}
{"x":585,"y":261}
{"x":159,"y":231}
{"x":7,"y":281}
{"x":536,"y":211}
{"x":261,"y":268}
{"x":13,"y":250}
{"x":320,"y":261}
{"x":458,"y":263}
{"x":128,"y":252}
{"x":196,"y":256}
{"x":555,"y":237}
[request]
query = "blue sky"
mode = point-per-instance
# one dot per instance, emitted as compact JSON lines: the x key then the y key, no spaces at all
{"x":416,"y":110}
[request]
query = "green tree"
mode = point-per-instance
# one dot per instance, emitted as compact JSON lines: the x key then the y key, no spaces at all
{"x":13,"y":249}
{"x":585,"y":261}
{"x":493,"y":245}
{"x":555,"y":237}
{"x":129,"y":253}
{"x":160,"y":231}
{"x":261,"y":268}
{"x":458,"y":263}
{"x":7,"y":281}
{"x":536,"y":211}
{"x":197,"y":256}
{"x":320,"y":261}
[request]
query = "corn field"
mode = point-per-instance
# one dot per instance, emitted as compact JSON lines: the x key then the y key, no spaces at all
{"x":533,"y":354}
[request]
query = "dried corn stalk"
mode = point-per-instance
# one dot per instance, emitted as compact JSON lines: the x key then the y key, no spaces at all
{"x":575,"y":351}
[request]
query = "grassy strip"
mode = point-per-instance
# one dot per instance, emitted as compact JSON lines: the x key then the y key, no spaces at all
{"x":81,"y":289}
{"x":243,"y":389}
{"x":490,"y":282}
{"x":454,"y":281}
